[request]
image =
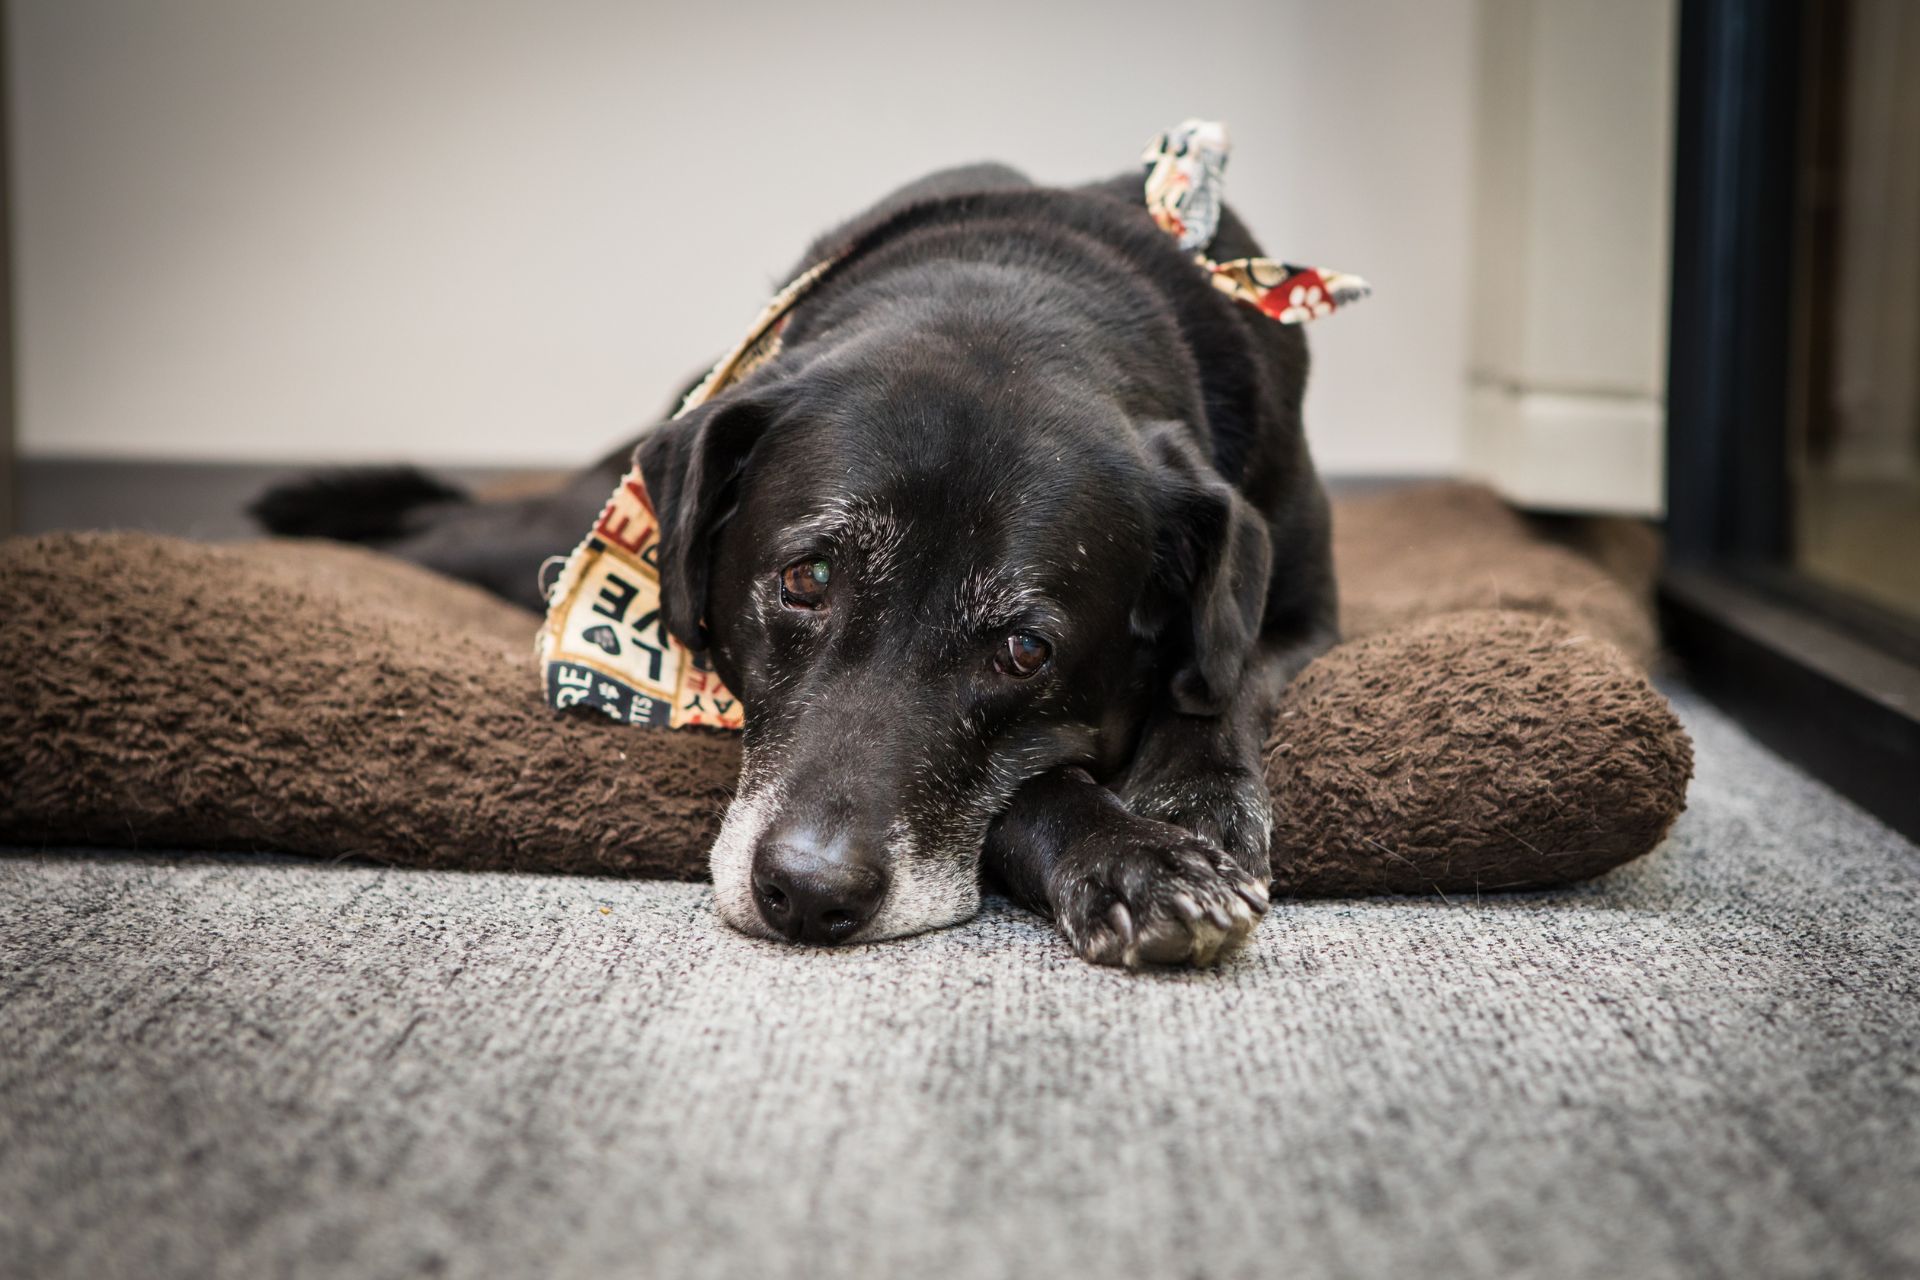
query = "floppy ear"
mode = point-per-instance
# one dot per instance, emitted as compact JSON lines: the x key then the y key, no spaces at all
{"x":1214,"y":555}
{"x":690,"y":465}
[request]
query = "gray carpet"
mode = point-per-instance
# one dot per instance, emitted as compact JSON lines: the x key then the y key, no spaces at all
{"x":1706,"y":1064}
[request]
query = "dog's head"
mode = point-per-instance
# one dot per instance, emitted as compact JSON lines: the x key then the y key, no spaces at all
{"x":928,"y":588}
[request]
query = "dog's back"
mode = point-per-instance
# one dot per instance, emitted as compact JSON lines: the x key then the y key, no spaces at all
{"x":1250,"y":376}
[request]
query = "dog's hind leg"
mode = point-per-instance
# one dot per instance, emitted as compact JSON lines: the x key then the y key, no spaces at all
{"x":498,"y":545}
{"x":501,"y":545}
{"x":370,"y":504}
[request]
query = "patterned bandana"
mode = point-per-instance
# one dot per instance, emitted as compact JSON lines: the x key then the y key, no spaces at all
{"x":605,"y":643}
{"x":1186,"y":168}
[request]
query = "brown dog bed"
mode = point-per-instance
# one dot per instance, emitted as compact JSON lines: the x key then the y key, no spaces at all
{"x":1487,"y":725}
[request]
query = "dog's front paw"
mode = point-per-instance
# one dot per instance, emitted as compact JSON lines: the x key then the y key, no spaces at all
{"x":1229,"y":806}
{"x":1151,"y":893}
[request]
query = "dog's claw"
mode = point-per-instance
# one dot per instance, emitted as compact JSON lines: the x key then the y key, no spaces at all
{"x":1254,"y":894}
{"x":1120,"y":920}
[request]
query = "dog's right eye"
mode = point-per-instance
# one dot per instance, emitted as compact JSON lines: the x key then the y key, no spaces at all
{"x":803,"y":584}
{"x":1024,"y":654}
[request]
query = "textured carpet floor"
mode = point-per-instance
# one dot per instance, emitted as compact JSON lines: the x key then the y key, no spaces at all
{"x":1705,"y":1064}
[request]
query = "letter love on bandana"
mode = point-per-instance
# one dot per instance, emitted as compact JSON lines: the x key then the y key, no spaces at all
{"x":604,"y":643}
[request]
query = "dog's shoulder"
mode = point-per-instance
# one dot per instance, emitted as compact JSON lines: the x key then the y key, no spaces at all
{"x":1251,"y":371}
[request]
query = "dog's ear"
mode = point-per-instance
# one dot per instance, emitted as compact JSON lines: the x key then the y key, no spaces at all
{"x":690,"y":465}
{"x":1213,"y":555}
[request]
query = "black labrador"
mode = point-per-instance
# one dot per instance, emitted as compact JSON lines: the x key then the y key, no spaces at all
{"x":1008,"y":553}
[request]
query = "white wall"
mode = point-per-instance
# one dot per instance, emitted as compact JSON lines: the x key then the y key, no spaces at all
{"x":1573,"y":197}
{"x":470,"y":232}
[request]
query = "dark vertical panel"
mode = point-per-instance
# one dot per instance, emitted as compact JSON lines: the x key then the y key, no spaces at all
{"x":1733,"y":241}
{"x":9,"y":471}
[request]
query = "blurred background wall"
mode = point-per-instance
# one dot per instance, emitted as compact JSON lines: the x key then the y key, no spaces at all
{"x":480,"y":232}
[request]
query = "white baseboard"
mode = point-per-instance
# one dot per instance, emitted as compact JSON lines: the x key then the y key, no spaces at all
{"x":1562,"y":451}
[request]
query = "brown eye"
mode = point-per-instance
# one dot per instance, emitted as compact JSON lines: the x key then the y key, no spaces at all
{"x":803,"y":584}
{"x":1024,"y":654}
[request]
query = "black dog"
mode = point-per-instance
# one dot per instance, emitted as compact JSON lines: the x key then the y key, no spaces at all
{"x":1008,"y":553}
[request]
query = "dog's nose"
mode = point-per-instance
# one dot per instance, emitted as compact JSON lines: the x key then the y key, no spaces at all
{"x":816,"y":890}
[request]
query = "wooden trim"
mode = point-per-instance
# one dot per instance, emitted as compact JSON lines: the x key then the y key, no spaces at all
{"x":189,"y":499}
{"x":1568,"y":451}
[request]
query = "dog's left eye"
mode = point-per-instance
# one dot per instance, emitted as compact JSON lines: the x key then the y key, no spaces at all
{"x":803,"y":584}
{"x":1024,"y":654}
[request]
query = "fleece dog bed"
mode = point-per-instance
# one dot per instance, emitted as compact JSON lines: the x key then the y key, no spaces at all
{"x":1486,"y":725}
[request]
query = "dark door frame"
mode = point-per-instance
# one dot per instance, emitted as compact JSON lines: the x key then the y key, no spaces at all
{"x":1829,"y":682}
